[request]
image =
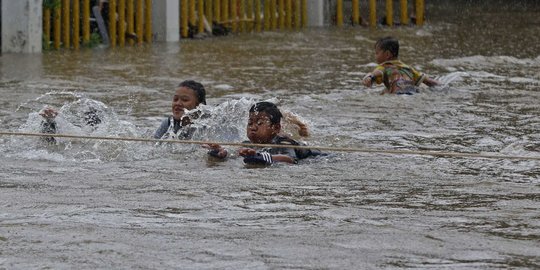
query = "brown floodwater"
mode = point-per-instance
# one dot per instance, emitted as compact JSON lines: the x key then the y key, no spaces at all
{"x":91,"y":204}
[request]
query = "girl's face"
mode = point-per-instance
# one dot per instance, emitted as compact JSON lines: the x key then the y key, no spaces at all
{"x":260,"y":129}
{"x":381,"y":55}
{"x":184,"y":98}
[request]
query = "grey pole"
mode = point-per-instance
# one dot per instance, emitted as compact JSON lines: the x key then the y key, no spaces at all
{"x":165,"y":14}
{"x":315,"y":13}
{"x":22,"y":28}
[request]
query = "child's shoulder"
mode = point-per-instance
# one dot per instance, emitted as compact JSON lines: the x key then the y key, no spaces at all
{"x":393,"y":63}
{"x":282,"y":139}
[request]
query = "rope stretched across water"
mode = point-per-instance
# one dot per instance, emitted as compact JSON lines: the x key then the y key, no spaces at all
{"x":321,"y":148}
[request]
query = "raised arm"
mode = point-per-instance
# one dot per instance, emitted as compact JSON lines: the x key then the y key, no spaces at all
{"x":294,"y":119}
{"x":430,"y":82}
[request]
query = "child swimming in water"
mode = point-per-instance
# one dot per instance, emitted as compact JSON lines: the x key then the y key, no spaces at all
{"x":264,"y":127}
{"x":188,"y":96}
{"x":398,"y":78}
{"x":91,"y":118}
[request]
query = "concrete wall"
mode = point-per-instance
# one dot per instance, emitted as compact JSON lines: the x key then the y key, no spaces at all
{"x":21,"y":26}
{"x":316,"y":13}
{"x":0,"y":26}
{"x":165,"y":23}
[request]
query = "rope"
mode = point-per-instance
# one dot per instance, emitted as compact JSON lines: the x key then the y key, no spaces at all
{"x":321,"y":148}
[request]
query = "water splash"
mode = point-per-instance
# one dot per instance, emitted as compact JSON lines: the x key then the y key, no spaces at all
{"x":445,"y":80}
{"x":83,"y":116}
{"x":225,"y":122}
{"x":52,"y":97}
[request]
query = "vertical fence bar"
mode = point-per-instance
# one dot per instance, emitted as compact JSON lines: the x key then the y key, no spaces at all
{"x":281,"y":14}
{"x":390,"y":12}
{"x":266,"y":15}
{"x":372,"y":13}
{"x":200,"y":16}
{"x":57,"y":26}
{"x":249,"y":12}
{"x":217,"y":10}
{"x":225,"y":12}
{"x":234,"y":16}
{"x":209,"y":13}
{"x":112,"y":22}
{"x":242,"y":15}
{"x":65,"y":23}
{"x":304,"y":13}
{"x":86,"y":21}
{"x":130,"y":21}
{"x":46,"y":27}
{"x":339,"y":13}
{"x":355,"y":12}
{"x":419,"y":12}
{"x":257,"y":14}
{"x":273,"y":19}
{"x":191,"y":15}
{"x":139,"y":21}
{"x":404,"y":12}
{"x":122,"y":23}
{"x":293,"y":13}
{"x":288,"y":14}
{"x":148,"y":21}
{"x":76,"y":24}
{"x":297,"y":14}
{"x":184,"y":30}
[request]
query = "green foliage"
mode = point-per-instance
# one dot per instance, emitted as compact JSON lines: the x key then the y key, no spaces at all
{"x":95,"y":40}
{"x":52,"y":4}
{"x":46,"y":44}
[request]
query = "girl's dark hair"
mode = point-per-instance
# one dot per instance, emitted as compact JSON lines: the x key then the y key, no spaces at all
{"x":269,"y":108}
{"x":390,"y":44}
{"x":197,"y":87}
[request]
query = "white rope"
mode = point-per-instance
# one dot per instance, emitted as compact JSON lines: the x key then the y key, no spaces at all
{"x":322,"y":148}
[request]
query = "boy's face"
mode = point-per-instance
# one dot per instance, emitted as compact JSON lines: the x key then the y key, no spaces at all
{"x":184,"y":98}
{"x":382,"y":55}
{"x":260,"y":129}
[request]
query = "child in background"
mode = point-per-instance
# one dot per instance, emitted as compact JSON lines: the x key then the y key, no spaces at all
{"x":398,"y":78}
{"x":188,"y":96}
{"x":264,"y":127}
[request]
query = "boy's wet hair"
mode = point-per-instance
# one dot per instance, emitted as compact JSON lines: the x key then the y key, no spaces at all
{"x":269,"y":108}
{"x":390,"y":44}
{"x":197,"y":87}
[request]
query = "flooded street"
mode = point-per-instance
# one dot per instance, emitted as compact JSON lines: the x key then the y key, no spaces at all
{"x":90,"y":204}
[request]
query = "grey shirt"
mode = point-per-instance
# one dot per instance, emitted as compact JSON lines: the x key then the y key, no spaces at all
{"x":172,"y":129}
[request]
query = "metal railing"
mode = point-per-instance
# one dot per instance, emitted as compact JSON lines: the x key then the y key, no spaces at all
{"x":404,"y":18}
{"x":241,"y":15}
{"x":75,"y":23}
{"x":62,"y":21}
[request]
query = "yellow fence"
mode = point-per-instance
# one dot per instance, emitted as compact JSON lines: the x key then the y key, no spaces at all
{"x":389,"y":12}
{"x":72,"y":20}
{"x":68,"y":23}
{"x":241,"y":15}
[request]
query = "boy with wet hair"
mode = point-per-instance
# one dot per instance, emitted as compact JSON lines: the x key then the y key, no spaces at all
{"x":398,"y":78}
{"x":264,"y":127}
